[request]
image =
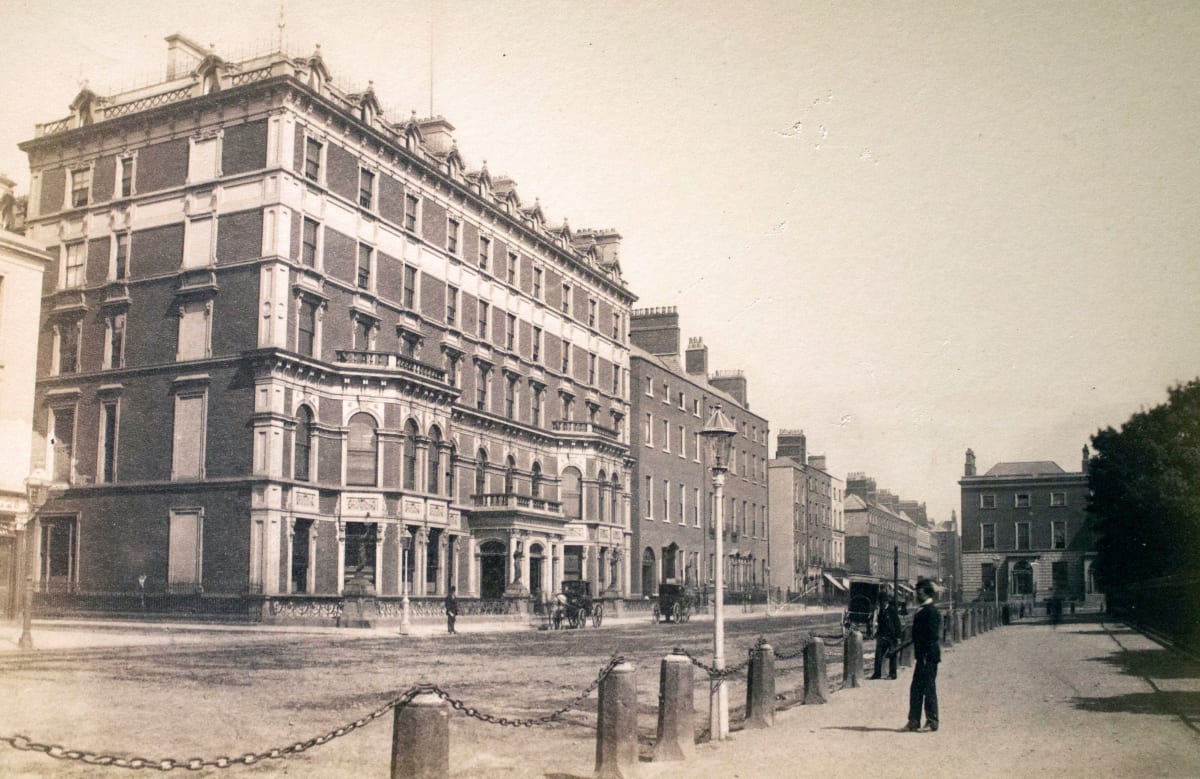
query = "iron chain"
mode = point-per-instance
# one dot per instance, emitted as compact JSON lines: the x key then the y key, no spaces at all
{"x":474,"y":713}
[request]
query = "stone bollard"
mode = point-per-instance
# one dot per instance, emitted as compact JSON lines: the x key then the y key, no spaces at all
{"x":616,"y":724}
{"x":760,"y":688}
{"x":906,"y":647}
{"x":951,"y":629}
{"x":816,"y":683}
{"x":421,"y":739}
{"x":852,"y":659}
{"x":968,"y":627}
{"x":676,"y":710}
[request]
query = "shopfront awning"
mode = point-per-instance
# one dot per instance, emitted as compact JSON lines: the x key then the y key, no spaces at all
{"x":835,"y":582}
{"x":904,"y":588}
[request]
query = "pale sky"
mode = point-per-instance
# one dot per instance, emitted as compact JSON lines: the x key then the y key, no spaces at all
{"x":916,"y":228}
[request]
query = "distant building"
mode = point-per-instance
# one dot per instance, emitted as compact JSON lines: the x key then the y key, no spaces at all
{"x":877,"y":538}
{"x":926,"y":552}
{"x":22,"y":265}
{"x":946,"y":544}
{"x":1025,"y":531}
{"x":671,"y":401}
{"x":807,"y":519}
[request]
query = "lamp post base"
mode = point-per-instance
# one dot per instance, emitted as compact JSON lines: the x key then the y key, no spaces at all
{"x":404,"y":623}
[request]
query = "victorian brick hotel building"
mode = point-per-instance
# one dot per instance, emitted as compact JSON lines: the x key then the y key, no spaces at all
{"x":291,"y":349}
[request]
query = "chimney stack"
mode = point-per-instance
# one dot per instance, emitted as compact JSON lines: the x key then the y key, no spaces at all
{"x":656,"y":330}
{"x":732,"y":383}
{"x":696,"y":358}
{"x":793,"y":444}
{"x":969,"y":466}
{"x":1086,"y":459}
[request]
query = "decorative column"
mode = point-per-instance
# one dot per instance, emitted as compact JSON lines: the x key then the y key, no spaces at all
{"x":472,"y":567}
{"x":443,"y":563}
{"x":420,"y":560}
{"x":524,"y":560}
{"x":341,"y":555}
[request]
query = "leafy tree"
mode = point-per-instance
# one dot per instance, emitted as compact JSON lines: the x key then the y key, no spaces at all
{"x":1145,"y":492}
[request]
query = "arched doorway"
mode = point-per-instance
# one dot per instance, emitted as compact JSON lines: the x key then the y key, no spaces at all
{"x":492,"y":556}
{"x":649,"y":573}
{"x":1022,"y":578}
{"x":537,"y":557}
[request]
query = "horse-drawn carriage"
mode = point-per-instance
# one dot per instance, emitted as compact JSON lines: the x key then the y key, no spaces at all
{"x":675,"y":603}
{"x":574,"y":606}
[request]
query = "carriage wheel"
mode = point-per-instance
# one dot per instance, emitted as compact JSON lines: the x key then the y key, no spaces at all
{"x":597,"y":615}
{"x":676,"y":613}
{"x":655,"y":614}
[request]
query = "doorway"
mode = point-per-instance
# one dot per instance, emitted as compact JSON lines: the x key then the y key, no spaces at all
{"x":537,"y":558}
{"x":649,"y":572}
{"x":491,"y":570}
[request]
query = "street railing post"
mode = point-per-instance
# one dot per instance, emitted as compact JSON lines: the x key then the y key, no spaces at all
{"x":950,"y":629}
{"x":616,"y":724}
{"x":852,"y":659}
{"x":421,"y":739}
{"x":676,"y":710}
{"x":760,"y":688}
{"x":816,"y":682}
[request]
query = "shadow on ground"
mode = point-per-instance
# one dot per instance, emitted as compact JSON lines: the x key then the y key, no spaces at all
{"x":1185,"y":705}
{"x":1151,"y":664}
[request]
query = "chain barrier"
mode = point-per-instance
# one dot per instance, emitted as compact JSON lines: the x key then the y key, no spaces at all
{"x":58,"y":752}
{"x":712,"y":671}
{"x":474,"y":713}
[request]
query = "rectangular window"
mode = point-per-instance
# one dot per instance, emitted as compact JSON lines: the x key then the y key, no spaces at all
{"x":59,"y":554}
{"x":1022,"y":535}
{"x":649,"y":430}
{"x":696,"y":447}
{"x":1058,"y":499}
{"x":537,"y":282}
{"x":452,"y":306}
{"x":649,"y":386}
{"x":410,"y":287}
{"x":1022,"y":500}
{"x":68,"y":347}
{"x":1059,"y":575}
{"x":306,"y":338}
{"x":510,"y":270}
{"x":510,"y":397}
{"x":616,"y":326}
{"x":411,"y":203}
{"x":987,"y":501}
{"x":73,"y":265}
{"x":62,"y":443}
{"x":537,"y":344}
{"x":666,"y":501}
{"x":616,"y":380}
{"x":988,"y":536}
{"x":695,"y":507}
{"x":360,"y":333}
{"x":115,"y":353}
{"x":987,"y":576}
{"x":682,"y":402}
{"x":510,"y":334}
{"x":81,"y":187}
{"x":485,"y":252}
{"x":682,"y":442}
{"x":1058,"y":533}
{"x":649,"y":497}
{"x":193,"y":343}
{"x":312,"y":159}
{"x":566,"y":358}
{"x":185,"y":544}
{"x":484,"y":315}
{"x":696,"y":407}
{"x":187,"y":459}
{"x":364,"y":266}
{"x":666,"y":393}
{"x":108,"y":443}
{"x":202,"y":161}
{"x":536,"y":406}
{"x":453,"y":227}
{"x":121,"y":256}
{"x":198,"y":242}
{"x":481,"y":387}
{"x":566,"y":299}
{"x":125,"y":177}
{"x":592,"y":370}
{"x":666,"y":427}
{"x":592,"y":312}
{"x":366,"y":187}
{"x":308,"y":245}
{"x":682,"y":492}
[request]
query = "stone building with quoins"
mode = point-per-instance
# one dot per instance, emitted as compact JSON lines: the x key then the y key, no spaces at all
{"x":22,"y":263}
{"x":292,"y":348}
{"x":671,"y":401}
{"x":1025,"y":531}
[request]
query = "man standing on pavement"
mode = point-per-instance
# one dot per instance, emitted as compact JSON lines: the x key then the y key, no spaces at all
{"x":927,"y":629}
{"x":887,"y":635}
{"x":451,"y":611}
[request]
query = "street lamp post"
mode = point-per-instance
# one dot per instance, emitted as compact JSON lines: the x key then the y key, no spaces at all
{"x":38,"y":491}
{"x":718,"y":436}
{"x":405,"y":552}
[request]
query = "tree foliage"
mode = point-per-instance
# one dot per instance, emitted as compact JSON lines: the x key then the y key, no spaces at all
{"x":1145,"y":492}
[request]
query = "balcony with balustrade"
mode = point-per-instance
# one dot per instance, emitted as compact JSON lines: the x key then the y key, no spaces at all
{"x":389,"y":362}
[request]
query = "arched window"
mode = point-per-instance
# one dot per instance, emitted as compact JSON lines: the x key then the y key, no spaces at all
{"x":535,"y":480}
{"x":510,"y":475}
{"x":302,"y":449}
{"x":361,"y":451}
{"x":481,"y":473}
{"x":410,"y":455}
{"x":434,"y":464}
{"x":571,"y":494}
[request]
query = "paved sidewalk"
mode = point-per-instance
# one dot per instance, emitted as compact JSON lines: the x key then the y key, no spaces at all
{"x":1087,"y":699}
